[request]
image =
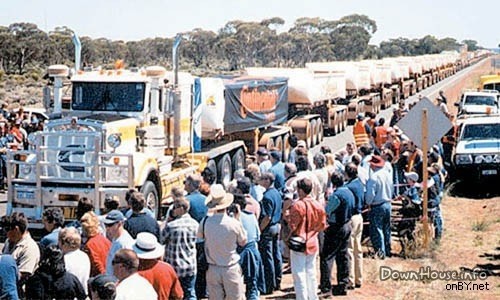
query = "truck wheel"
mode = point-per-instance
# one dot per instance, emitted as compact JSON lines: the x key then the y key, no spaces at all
{"x":224,"y":169}
{"x":314,"y":133}
{"x":320,"y":132}
{"x":213,"y":167}
{"x":150,"y":193}
{"x":238,"y":160}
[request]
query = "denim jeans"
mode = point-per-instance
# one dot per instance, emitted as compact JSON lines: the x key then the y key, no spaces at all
{"x":437,"y":221}
{"x":271,"y":259}
{"x":380,"y":229}
{"x":188,"y":283}
{"x":304,"y":275}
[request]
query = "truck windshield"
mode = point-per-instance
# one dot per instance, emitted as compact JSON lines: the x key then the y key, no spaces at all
{"x":492,"y":86}
{"x":481,"y":131}
{"x":480,"y":100}
{"x":108,"y":96}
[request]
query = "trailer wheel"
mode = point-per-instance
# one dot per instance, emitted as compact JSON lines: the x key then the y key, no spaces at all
{"x":238,"y":160}
{"x":213,"y":167}
{"x":225,"y":170}
{"x":320,"y":132}
{"x":150,"y":193}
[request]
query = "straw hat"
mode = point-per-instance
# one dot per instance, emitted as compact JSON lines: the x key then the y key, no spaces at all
{"x":147,"y":247}
{"x":219,"y":198}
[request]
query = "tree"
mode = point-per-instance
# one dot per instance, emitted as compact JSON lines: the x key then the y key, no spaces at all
{"x":471,"y":45}
{"x":28,"y":42}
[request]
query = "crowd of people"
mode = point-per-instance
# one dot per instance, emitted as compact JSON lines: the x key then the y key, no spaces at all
{"x":279,"y":215}
{"x":14,"y":129}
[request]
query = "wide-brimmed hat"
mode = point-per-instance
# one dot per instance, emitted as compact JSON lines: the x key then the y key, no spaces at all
{"x":146,"y":246}
{"x":302,"y":143}
{"x":219,"y":198}
{"x":411,"y":176}
{"x":377,"y":161}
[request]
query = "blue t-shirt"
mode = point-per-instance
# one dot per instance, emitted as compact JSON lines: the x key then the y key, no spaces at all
{"x":249,"y":222}
{"x":197,"y":207}
{"x":271,"y":206}
{"x":9,"y":275}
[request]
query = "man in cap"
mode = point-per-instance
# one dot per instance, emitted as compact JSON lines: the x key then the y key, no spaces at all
{"x":378,"y":196}
{"x":131,"y":285}
{"x":160,"y":274}
{"x":120,"y":238}
{"x":263,"y":160}
{"x":222,"y":235}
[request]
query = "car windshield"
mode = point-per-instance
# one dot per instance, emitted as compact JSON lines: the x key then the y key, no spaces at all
{"x":481,"y":131}
{"x":480,"y":100}
{"x":108,"y":96}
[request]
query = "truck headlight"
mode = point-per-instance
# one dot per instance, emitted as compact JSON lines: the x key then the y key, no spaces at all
{"x":114,"y":140}
{"x":462,"y":159}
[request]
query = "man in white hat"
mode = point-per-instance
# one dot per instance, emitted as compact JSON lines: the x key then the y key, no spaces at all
{"x":160,"y":274}
{"x":222,"y":234}
{"x":131,"y":285}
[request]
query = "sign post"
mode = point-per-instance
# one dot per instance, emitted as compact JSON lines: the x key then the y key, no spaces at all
{"x":415,"y":125}
{"x":425,"y":175}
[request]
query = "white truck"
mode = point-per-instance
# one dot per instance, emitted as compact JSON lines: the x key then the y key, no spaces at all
{"x":476,"y":156}
{"x":478,"y":102}
{"x":145,"y":129}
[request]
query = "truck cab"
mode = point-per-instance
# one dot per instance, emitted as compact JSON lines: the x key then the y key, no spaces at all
{"x":478,"y":102}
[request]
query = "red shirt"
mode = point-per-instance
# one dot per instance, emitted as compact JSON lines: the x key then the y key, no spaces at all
{"x":97,"y":247}
{"x":163,"y":278}
{"x":316,"y":222}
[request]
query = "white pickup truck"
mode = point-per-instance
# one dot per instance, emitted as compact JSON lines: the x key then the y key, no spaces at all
{"x":477,"y":153}
{"x":478,"y":102}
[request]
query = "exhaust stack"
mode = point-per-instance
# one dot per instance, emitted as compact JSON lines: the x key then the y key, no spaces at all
{"x":78,"y":51}
{"x":175,"y":59}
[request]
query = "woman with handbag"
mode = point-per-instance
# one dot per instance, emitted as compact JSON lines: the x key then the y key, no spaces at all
{"x":307,"y":219}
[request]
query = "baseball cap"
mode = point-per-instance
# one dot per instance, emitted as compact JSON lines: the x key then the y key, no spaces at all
{"x":262,"y":151}
{"x":114,"y":216}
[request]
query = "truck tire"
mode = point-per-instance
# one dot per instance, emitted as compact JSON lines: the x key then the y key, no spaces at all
{"x":213,"y":167}
{"x":150,"y":193}
{"x":238,"y":160}
{"x":224,"y":169}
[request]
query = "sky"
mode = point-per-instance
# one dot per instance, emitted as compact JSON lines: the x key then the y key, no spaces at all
{"x":135,"y":20}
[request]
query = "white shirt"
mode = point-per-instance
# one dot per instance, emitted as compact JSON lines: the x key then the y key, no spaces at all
{"x":135,"y":287}
{"x":78,"y":263}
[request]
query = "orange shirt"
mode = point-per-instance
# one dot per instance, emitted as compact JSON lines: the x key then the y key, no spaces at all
{"x":316,"y":222}
{"x":163,"y":278}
